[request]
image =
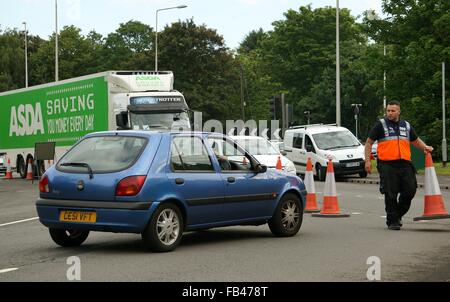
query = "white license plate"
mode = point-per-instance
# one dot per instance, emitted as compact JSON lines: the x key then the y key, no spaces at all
{"x":349,"y":165}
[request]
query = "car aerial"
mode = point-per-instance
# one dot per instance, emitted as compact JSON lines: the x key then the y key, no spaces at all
{"x":161,"y":184}
{"x":322,"y":143}
{"x":265,"y":152}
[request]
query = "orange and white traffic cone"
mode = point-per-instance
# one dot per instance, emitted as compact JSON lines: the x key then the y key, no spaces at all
{"x":330,"y":206}
{"x":311,"y":198}
{"x":29,"y":170}
{"x":8,"y":170}
{"x":434,"y":203}
{"x":279,"y":165}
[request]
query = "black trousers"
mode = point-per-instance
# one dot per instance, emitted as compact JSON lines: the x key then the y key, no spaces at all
{"x":397,"y":177}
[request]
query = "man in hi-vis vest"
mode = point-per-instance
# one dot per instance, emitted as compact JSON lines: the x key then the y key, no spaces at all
{"x":397,"y":173}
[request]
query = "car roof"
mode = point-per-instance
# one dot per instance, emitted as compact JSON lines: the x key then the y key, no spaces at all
{"x":146,"y":133}
{"x":318,"y":129}
{"x":246,"y":137}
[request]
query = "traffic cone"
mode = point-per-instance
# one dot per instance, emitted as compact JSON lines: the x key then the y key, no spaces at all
{"x":29,"y":170}
{"x":8,"y":170}
{"x":330,"y":206}
{"x":434,"y":203}
{"x":311,"y":199}
{"x":279,"y":165}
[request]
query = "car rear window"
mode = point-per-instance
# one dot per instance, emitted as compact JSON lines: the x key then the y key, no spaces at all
{"x":103,"y":154}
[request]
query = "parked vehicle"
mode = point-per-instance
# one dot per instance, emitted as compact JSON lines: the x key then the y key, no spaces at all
{"x":265,"y":152}
{"x":322,"y":143}
{"x":160,"y":184}
{"x":64,"y":111}
{"x":3,"y":163}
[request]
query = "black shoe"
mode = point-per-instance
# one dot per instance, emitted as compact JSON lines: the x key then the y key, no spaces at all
{"x":394,"y":226}
{"x":400,"y":222}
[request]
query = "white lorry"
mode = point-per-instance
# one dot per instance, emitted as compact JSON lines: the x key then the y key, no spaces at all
{"x":62,"y":112}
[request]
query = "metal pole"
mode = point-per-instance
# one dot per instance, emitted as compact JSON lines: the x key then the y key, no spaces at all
{"x":156,"y":42}
{"x":26,"y":55}
{"x":444,"y":140}
{"x":384,"y":81}
{"x":283,"y":111}
{"x":338,"y":71}
{"x":242,"y":93}
{"x":56,"y":42}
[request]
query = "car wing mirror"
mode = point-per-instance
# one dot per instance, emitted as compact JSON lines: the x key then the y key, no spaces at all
{"x":261,"y":168}
{"x":284,"y":153}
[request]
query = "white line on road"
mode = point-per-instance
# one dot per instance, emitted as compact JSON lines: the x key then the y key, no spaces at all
{"x":19,"y":221}
{"x":8,"y":270}
{"x":356,"y":213}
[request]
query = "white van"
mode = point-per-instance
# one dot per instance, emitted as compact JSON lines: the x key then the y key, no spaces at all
{"x":321,"y":143}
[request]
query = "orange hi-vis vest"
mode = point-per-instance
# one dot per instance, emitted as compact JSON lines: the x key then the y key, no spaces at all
{"x":396,"y":144}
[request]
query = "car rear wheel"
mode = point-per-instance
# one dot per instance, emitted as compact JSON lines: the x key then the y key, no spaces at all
{"x":288,"y":217}
{"x":68,"y":238}
{"x":164,"y":232}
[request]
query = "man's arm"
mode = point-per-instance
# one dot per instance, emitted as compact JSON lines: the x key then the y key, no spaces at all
{"x":419,"y":144}
{"x":367,"y":152}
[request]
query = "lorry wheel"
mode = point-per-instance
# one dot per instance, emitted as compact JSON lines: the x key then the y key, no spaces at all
{"x":288,"y":217}
{"x":21,"y":168}
{"x":164,"y":232}
{"x":68,"y":238}
{"x":321,"y":172}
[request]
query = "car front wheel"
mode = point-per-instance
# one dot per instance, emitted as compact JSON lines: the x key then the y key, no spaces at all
{"x":288,"y":217}
{"x":68,"y":238}
{"x":164,"y":232}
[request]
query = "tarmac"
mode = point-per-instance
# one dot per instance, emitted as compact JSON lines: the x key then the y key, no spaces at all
{"x":374,"y":178}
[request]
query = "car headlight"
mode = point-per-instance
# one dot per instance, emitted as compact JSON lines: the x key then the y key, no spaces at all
{"x":290,"y":167}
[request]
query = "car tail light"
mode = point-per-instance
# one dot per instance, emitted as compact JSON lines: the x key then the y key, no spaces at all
{"x":43,"y":184}
{"x":130,"y":186}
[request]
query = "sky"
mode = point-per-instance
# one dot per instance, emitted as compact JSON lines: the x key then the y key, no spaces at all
{"x":233,"y":19}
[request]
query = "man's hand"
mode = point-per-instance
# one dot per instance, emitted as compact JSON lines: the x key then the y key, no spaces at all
{"x":428,"y":149}
{"x":368,"y":166}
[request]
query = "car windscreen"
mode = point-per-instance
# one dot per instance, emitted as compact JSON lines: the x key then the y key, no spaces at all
{"x":258,"y":146}
{"x":335,"y":140}
{"x":103,"y":154}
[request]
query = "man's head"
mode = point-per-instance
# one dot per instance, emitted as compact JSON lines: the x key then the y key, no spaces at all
{"x":393,"y":111}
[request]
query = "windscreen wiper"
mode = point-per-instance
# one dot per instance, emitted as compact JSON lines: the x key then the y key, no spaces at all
{"x":91,"y":174}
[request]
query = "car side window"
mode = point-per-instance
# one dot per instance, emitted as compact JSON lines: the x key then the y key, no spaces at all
{"x":230,"y":158}
{"x":309,"y":145}
{"x":298,"y":141}
{"x":188,"y":153}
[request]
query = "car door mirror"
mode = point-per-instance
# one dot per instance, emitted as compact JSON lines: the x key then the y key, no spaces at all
{"x":284,"y":153}
{"x":261,"y":168}
{"x":309,"y":149}
{"x":122,"y":121}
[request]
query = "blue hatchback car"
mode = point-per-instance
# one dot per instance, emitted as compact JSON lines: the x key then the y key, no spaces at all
{"x":161,"y":184}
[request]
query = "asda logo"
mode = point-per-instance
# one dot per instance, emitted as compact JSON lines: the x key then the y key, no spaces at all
{"x":26,"y":119}
{"x":147,"y":78}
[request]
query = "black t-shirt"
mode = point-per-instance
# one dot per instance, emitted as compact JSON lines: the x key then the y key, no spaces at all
{"x":377,"y":132}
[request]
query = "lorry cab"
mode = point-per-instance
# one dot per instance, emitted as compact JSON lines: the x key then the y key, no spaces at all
{"x":322,"y":143}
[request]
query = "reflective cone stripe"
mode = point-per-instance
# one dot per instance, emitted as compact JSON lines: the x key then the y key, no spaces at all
{"x":29,"y":170}
{"x":8,"y":170}
{"x":279,"y":165}
{"x":330,"y":206}
{"x":311,"y":198}
{"x":434,"y":207}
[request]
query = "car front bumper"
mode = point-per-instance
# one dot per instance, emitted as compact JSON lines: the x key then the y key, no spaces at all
{"x":120,"y":217}
{"x":348,"y":168}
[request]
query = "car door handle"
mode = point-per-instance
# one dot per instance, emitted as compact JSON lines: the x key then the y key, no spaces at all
{"x":231,"y":179}
{"x":179,"y":181}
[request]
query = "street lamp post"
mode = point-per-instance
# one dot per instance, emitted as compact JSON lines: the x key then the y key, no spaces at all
{"x":156,"y":31}
{"x":56,"y":42}
{"x":444,"y":140}
{"x":26,"y":55}
{"x":338,"y":71}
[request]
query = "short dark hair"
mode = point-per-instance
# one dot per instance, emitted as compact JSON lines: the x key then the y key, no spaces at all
{"x":394,"y":103}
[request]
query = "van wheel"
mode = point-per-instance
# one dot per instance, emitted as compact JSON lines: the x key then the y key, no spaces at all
{"x":164,"y":232}
{"x":288,"y":217}
{"x":363,"y":174}
{"x":68,"y":238}
{"x":320,"y":172}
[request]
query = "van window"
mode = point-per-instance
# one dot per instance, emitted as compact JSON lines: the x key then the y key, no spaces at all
{"x":335,"y":140}
{"x":298,"y":141}
{"x":309,"y":145}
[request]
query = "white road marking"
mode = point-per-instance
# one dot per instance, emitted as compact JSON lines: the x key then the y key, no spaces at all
{"x":8,"y":270}
{"x":383,"y":216}
{"x":19,"y":221}
{"x":356,"y":213}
